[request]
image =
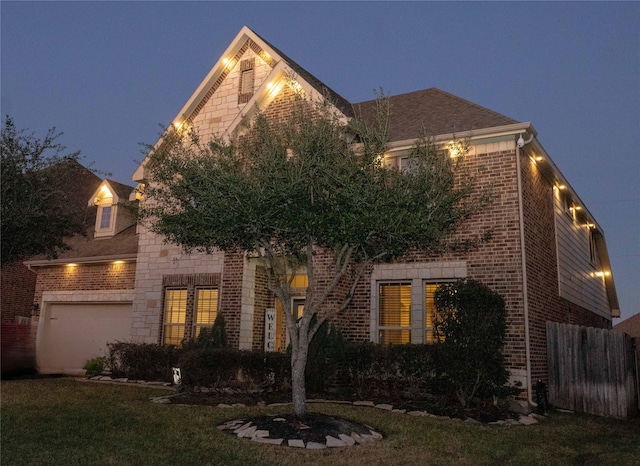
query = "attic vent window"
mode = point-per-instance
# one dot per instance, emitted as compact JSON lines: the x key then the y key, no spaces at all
{"x":245,"y":91}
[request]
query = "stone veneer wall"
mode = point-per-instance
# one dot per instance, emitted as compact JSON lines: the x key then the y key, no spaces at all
{"x":155,"y":260}
{"x":219,"y":108}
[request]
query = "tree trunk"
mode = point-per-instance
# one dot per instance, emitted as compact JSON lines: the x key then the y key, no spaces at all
{"x":298,"y":364}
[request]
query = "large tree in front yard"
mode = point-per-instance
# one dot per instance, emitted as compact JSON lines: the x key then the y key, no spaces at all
{"x":295,"y":192}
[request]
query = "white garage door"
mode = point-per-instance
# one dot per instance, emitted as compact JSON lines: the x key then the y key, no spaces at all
{"x":69,"y":334}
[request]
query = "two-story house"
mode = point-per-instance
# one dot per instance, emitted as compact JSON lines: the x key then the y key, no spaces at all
{"x":547,"y":256}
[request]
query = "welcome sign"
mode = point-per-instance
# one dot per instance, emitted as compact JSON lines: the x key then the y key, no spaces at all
{"x":270,"y":330}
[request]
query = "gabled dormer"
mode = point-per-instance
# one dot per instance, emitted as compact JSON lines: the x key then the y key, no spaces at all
{"x":112,"y":215}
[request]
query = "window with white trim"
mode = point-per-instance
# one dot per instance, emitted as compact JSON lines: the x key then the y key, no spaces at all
{"x":105,"y":217}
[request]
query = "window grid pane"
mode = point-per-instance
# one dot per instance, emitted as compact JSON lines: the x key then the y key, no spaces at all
{"x":206,"y":309}
{"x":105,"y":219}
{"x":173,"y":334}
{"x":394,"y":313}
{"x":175,"y":310}
{"x":430,"y":311}
{"x":394,"y":337}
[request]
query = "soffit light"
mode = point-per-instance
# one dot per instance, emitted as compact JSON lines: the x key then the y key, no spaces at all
{"x":455,"y":149}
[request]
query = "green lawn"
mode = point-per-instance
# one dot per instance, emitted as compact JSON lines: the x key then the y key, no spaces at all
{"x":66,"y":422}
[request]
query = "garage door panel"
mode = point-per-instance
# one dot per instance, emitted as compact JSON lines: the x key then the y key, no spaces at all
{"x":72,"y":333}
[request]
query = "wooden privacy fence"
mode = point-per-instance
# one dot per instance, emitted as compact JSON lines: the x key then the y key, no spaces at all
{"x":592,"y":370}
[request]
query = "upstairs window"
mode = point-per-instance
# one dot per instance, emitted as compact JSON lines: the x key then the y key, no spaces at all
{"x":106,"y":202}
{"x":105,"y":217}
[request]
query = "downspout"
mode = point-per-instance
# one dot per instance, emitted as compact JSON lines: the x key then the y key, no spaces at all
{"x":525,"y":301}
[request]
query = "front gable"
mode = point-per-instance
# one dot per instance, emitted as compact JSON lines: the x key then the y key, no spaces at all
{"x":250,"y":76}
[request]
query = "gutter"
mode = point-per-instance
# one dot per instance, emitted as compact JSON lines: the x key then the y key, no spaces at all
{"x":81,"y":260}
{"x":475,"y":134}
{"x":525,"y":302}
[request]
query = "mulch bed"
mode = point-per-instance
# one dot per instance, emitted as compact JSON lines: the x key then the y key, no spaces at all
{"x":438,"y":406}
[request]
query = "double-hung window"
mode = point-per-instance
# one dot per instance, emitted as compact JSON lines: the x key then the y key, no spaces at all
{"x":187,"y":310}
{"x":394,"y":312}
{"x":175,"y":313}
{"x":395,"y":322}
{"x":429,"y":312}
{"x":206,"y":309}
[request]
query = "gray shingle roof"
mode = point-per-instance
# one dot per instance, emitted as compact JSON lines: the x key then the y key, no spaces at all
{"x":435,"y":112}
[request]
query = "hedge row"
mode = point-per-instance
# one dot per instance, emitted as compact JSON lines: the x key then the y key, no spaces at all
{"x":360,"y":369}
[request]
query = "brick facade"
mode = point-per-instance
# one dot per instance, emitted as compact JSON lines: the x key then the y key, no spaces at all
{"x":18,"y":285}
{"x":80,"y":277}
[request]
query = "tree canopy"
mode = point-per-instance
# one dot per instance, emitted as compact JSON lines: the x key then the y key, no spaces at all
{"x":309,"y":185}
{"x":38,"y":207}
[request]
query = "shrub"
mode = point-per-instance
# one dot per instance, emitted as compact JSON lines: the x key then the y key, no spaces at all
{"x":226,"y":368}
{"x":395,"y":371}
{"x":215,"y":337}
{"x":470,"y":326}
{"x":142,"y":361}
{"x":326,"y":353}
{"x":95,"y":366}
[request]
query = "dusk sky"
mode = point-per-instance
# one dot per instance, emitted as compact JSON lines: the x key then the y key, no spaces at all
{"x":109,"y":74}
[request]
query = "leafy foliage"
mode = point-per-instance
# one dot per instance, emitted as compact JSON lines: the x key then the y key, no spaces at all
{"x":229,"y":368}
{"x":390,"y":371}
{"x":143,"y":361}
{"x":216,"y":337}
{"x":38,"y":206}
{"x":326,"y":353}
{"x":95,"y":366}
{"x":470,"y":326}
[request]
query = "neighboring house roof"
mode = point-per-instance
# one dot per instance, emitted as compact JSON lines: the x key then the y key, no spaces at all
{"x":630,"y":326}
{"x":86,"y":248}
{"x":432,"y":112}
{"x":121,"y":190}
{"x":122,"y":245}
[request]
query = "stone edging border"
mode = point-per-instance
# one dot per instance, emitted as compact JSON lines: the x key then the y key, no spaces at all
{"x":523,"y":419}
